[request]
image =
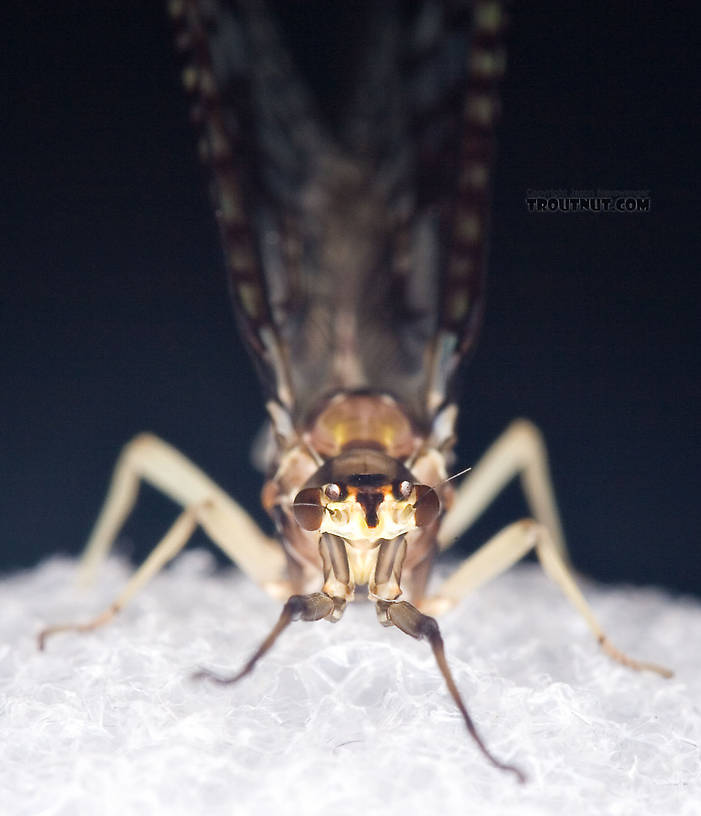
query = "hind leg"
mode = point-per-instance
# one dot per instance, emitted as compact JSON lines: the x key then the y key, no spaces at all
{"x":505,"y":549}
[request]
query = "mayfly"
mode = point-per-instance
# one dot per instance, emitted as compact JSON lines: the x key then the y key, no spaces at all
{"x":352,"y":201}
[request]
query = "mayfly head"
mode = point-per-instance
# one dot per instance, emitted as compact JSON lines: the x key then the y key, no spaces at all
{"x":365,"y":495}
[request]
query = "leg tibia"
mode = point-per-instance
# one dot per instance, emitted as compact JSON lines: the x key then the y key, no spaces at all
{"x":504,"y":550}
{"x":313,"y":607}
{"x":169,"y":546}
{"x":520,"y":450}
{"x":414,"y":623}
{"x":151,"y":459}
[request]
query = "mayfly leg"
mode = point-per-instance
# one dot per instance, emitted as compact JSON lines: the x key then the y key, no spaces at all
{"x":313,"y":607}
{"x":414,"y":623}
{"x":506,"y":548}
{"x":519,"y":451}
{"x":152,"y":460}
{"x":169,"y":546}
{"x":148,"y":458}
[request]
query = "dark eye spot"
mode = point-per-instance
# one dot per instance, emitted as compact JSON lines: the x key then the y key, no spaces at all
{"x":427,"y":506}
{"x":332,"y":491}
{"x":308,"y":509}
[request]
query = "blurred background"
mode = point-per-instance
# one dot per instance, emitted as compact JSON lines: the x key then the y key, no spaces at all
{"x":115,"y":316}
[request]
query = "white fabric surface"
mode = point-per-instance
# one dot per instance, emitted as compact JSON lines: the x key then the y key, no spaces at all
{"x":346,"y":718}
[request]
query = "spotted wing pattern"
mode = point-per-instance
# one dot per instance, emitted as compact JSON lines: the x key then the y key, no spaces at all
{"x":350,"y":146}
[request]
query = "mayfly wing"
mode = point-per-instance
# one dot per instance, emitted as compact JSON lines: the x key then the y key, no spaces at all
{"x":349,"y":145}
{"x":218,"y":77}
{"x":463,"y":268}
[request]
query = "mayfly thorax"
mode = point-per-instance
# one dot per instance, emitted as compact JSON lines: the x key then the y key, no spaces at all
{"x":350,"y":150}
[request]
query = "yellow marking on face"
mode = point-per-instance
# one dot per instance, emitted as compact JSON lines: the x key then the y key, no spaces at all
{"x":347,"y":519}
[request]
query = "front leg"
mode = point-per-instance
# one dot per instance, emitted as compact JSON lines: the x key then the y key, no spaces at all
{"x":313,"y":607}
{"x":408,"y":618}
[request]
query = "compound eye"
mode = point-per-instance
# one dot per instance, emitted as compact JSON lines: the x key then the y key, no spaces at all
{"x":427,"y":506}
{"x":308,"y":509}
{"x":402,"y":490}
{"x":332,"y":491}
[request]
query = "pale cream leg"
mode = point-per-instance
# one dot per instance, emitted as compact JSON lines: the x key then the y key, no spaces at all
{"x":504,"y":550}
{"x":166,"y":549}
{"x":230,"y":527}
{"x":149,"y":458}
{"x":519,"y":450}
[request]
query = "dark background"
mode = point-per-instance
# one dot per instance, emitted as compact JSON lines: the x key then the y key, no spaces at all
{"x":115,"y":317}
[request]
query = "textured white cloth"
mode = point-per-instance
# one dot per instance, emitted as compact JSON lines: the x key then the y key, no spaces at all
{"x":349,"y":718}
